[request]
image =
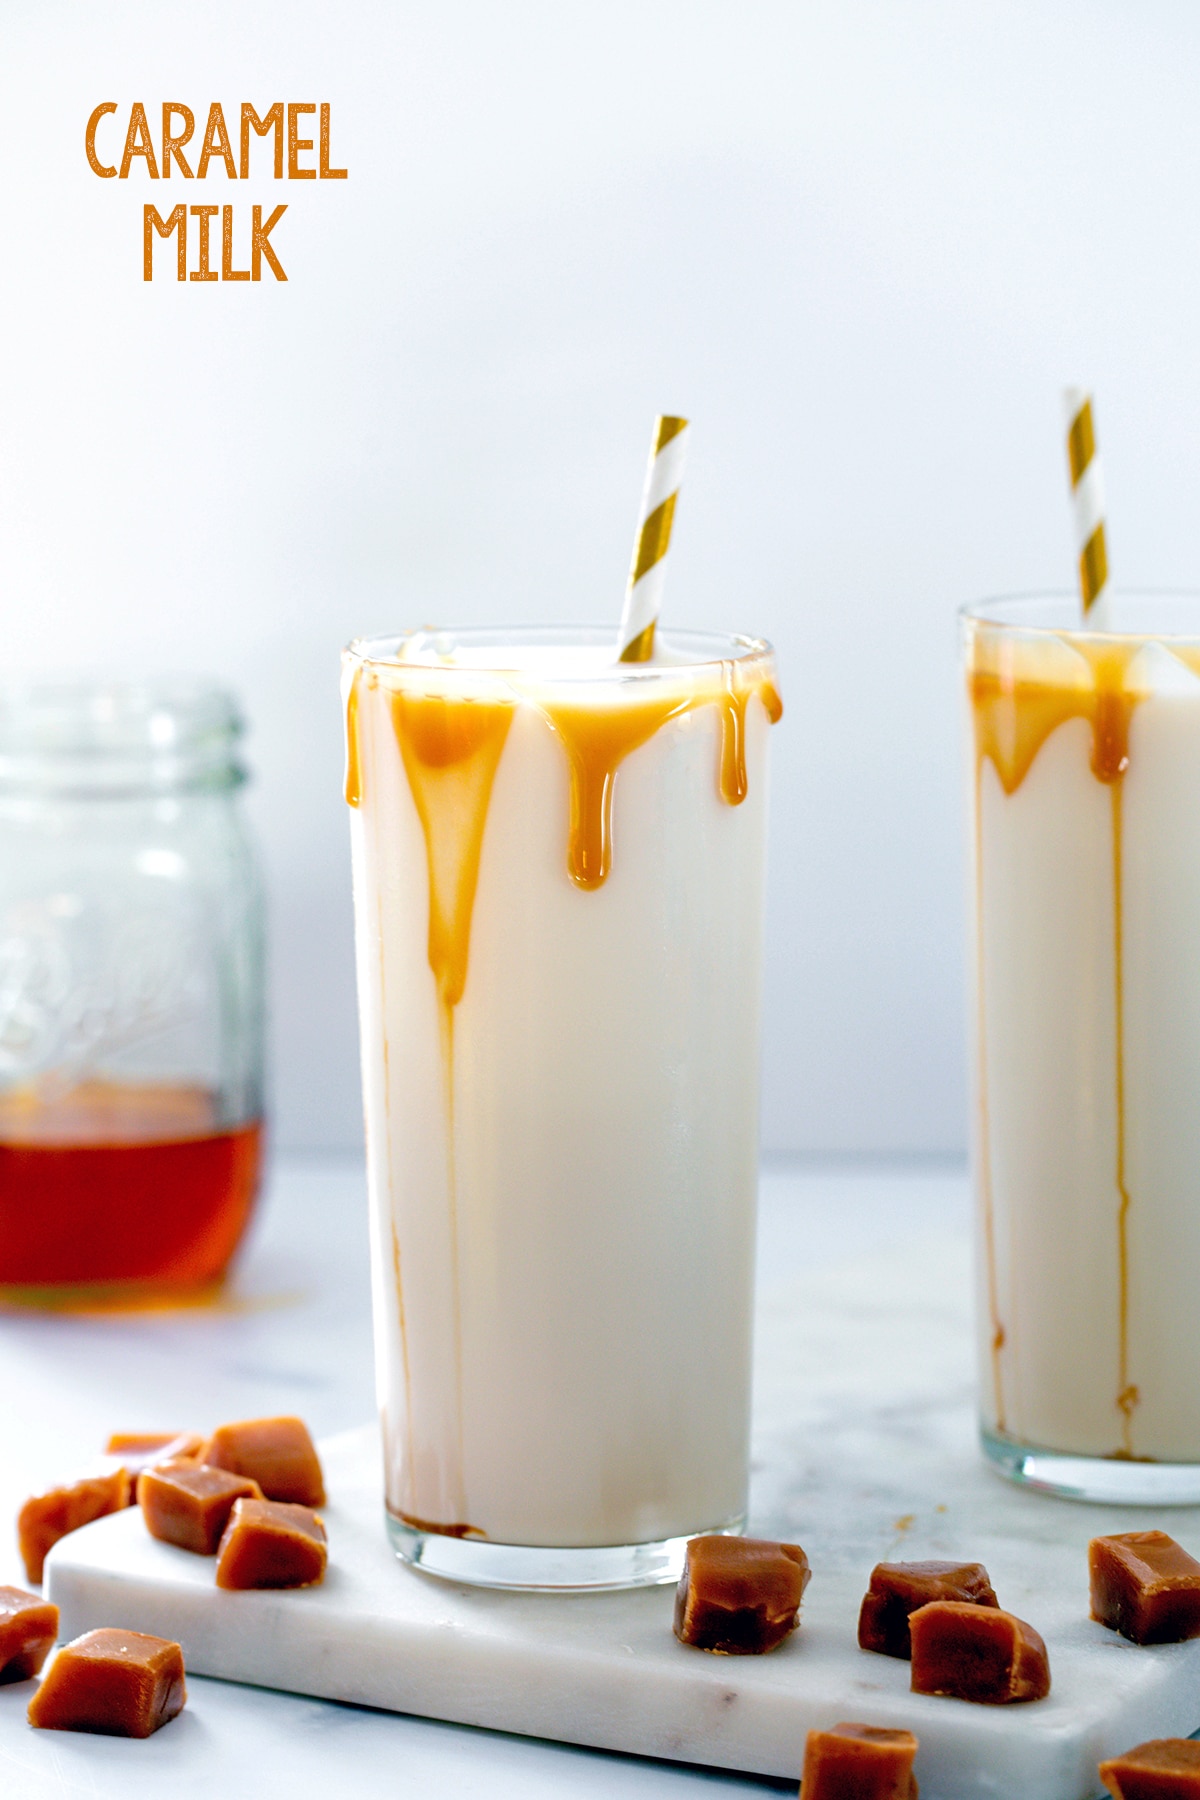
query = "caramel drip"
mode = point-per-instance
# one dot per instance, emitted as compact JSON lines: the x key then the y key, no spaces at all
{"x":1127,"y":1393}
{"x":1112,"y":709}
{"x":353,"y":748}
{"x":446,"y":1024}
{"x":402,"y":1319}
{"x":734,"y":700}
{"x":598,"y":739}
{"x":1014,"y":714}
{"x":401,"y":1310}
{"x":451,"y":749}
{"x":996,"y":1334}
{"x":772,"y":700}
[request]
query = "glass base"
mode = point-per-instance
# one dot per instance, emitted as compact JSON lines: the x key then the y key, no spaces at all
{"x":1108,"y":1480}
{"x":479,"y":1563}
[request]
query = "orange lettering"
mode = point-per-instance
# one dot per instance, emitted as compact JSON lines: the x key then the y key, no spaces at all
{"x":98,"y":168}
{"x":228,"y":272}
{"x":137,"y":143}
{"x":171,"y":145}
{"x":272,"y":120}
{"x":296,"y":143}
{"x":327,"y":174}
{"x":206,"y":215}
{"x":216,"y":143}
{"x":175,"y":221}
{"x":259,"y":247}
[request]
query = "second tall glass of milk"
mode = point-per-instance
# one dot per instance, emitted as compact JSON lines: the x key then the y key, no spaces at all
{"x":558,"y":866}
{"x":1085,"y":906}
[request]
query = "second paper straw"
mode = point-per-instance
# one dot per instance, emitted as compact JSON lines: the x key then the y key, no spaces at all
{"x":1087,"y":499}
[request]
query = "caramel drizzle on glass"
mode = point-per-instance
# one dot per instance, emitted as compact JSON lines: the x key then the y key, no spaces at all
{"x":451,"y":750}
{"x":353,"y":782}
{"x":1013,"y":715}
{"x":451,"y":746}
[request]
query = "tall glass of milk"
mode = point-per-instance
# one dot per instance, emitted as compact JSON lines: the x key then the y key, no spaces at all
{"x":1085,"y":915}
{"x":558,"y":871}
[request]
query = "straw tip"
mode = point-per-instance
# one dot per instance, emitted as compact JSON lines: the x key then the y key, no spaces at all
{"x":667,"y":426}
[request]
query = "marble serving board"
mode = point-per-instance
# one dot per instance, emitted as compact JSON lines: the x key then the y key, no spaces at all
{"x":605,"y":1669}
{"x":864,"y":1449}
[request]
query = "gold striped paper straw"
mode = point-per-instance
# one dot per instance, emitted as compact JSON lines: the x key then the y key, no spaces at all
{"x":643,"y":593}
{"x":1087,"y":499}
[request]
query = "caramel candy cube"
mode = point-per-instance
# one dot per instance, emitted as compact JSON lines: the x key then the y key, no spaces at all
{"x":898,"y":1589}
{"x":859,"y":1762}
{"x":268,"y":1544}
{"x":739,"y":1596}
{"x":120,"y":1683}
{"x":980,"y":1653}
{"x":277,"y":1453}
{"x":28,"y":1628}
{"x":1164,"y":1769}
{"x":140,"y":1450}
{"x":47,"y":1517}
{"x":189,"y":1504}
{"x":1145,"y":1586}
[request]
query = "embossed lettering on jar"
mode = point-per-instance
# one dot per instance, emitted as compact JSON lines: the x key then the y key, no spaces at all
{"x":130,"y":989}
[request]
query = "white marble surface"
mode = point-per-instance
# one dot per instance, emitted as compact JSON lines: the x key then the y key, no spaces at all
{"x":864,"y":1448}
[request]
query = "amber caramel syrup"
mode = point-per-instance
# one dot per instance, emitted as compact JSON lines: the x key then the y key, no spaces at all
{"x":121,"y":1193}
{"x":1013,"y":716}
{"x":451,"y":747}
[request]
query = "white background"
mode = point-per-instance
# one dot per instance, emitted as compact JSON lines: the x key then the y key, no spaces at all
{"x":861,"y":245}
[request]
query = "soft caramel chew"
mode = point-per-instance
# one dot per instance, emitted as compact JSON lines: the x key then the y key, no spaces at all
{"x":739,"y":1596}
{"x":1145,"y":1586}
{"x":189,"y":1504}
{"x":859,"y":1762}
{"x":977,"y":1653}
{"x":140,"y":1450}
{"x":120,"y":1683}
{"x":898,"y":1589}
{"x":47,"y":1517}
{"x":277,"y":1453}
{"x":269,"y":1544}
{"x":1164,"y":1769}
{"x":28,"y":1628}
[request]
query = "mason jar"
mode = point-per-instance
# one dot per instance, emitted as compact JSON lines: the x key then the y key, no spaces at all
{"x":131,"y":989}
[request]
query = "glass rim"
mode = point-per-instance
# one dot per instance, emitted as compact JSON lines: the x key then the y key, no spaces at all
{"x":714,"y":648}
{"x":1007,"y":613}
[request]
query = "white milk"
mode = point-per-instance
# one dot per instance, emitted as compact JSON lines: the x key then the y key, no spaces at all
{"x":1087,"y":918}
{"x":562,"y":1160}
